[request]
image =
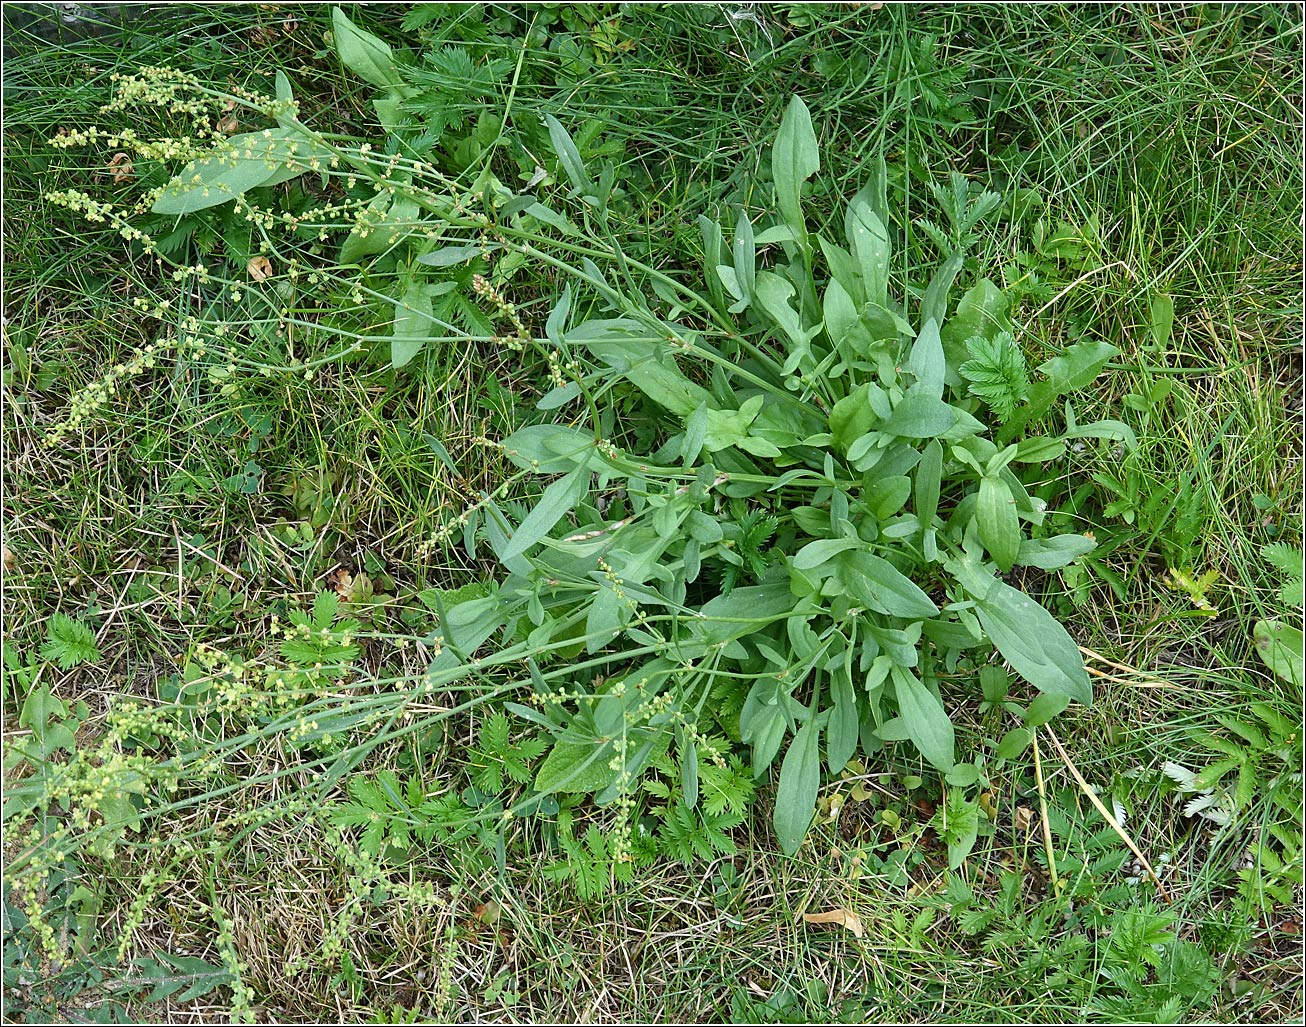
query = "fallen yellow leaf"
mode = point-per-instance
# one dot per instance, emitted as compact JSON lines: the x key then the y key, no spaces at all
{"x":842,"y":917}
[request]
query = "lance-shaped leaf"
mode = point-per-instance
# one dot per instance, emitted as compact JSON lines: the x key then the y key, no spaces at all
{"x":557,"y":500}
{"x":794,"y":159}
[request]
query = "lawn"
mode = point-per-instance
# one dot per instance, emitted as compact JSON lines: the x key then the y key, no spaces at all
{"x":653,"y":513}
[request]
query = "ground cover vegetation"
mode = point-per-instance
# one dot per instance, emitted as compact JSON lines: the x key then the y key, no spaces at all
{"x":760,"y":513}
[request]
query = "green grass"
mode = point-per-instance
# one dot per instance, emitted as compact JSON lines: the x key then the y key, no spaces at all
{"x":1164,"y":144}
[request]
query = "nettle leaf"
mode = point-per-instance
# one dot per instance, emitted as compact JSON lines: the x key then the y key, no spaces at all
{"x":794,"y":159}
{"x":800,"y":779}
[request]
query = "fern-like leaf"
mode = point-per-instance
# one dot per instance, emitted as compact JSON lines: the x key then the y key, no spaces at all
{"x":1288,"y":560}
{"x":68,"y":642}
{"x":996,"y":373}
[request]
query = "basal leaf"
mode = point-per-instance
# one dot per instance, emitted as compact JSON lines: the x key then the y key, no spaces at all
{"x":243,"y":162}
{"x":557,"y":500}
{"x":926,"y":361}
{"x":1033,"y":641}
{"x":925,"y":719}
{"x":367,"y":56}
{"x":995,"y":516}
{"x":883,"y":588}
{"x":794,"y":159}
{"x":800,"y":779}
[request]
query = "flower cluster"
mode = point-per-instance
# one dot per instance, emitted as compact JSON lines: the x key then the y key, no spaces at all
{"x":86,"y":403}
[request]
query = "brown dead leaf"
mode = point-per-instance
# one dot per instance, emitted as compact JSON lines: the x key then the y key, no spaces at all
{"x":341,"y":580}
{"x":842,"y":917}
{"x":121,"y":167}
{"x":488,"y":912}
{"x":1024,"y":818}
{"x":259,"y":268}
{"x":228,"y":125}
{"x":8,"y":557}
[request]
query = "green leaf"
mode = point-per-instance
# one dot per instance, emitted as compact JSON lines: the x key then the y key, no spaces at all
{"x":412,"y":325}
{"x":772,"y":293}
{"x":869,"y":241}
{"x":576,"y":767}
{"x":1078,"y":365}
{"x":995,"y":516}
{"x":569,"y":157}
{"x":816,"y":553}
{"x":1014,"y":742}
{"x":1161,"y":310}
{"x":68,"y":642}
{"x":920,"y":415}
{"x":627,"y":346}
{"x":448,"y":256}
{"x":557,"y":500}
{"x":1044,"y":708}
{"x":689,"y":769}
{"x":1035,"y":644}
{"x":925,"y":719}
{"x":957,"y":823}
{"x":362,"y":53}
{"x":996,"y":373}
{"x":800,"y":778}
{"x":794,"y":159}
{"x":929,"y":476}
{"x":934,"y":303}
{"x":884,"y":589}
{"x":926,"y":362}
{"x":981,"y":311}
{"x":241,"y":163}
{"x":844,"y":727}
{"x":1280,"y":646}
{"x":1049,"y":554}
{"x":851,"y":418}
